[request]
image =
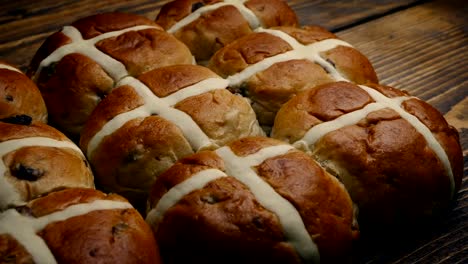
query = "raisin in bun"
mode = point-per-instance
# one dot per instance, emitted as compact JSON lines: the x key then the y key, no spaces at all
{"x":399,"y":159}
{"x":37,"y":159}
{"x":207,"y":25}
{"x":257,"y":200}
{"x":76,"y":226}
{"x":77,"y":66}
{"x":19,"y":95}
{"x":272,"y":65}
{"x":145,"y":125}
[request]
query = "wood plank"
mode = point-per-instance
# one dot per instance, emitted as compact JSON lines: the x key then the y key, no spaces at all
{"x":424,"y":50}
{"x":25,"y":24}
{"x":335,"y":15}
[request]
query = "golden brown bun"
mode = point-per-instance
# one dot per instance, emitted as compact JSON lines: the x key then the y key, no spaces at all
{"x":129,"y":159}
{"x":74,"y":85}
{"x":224,"y":218}
{"x":100,"y":236}
{"x":274,"y":86}
{"x":387,"y":166}
{"x":216,"y":28}
{"x":19,"y":95}
{"x":34,"y":170}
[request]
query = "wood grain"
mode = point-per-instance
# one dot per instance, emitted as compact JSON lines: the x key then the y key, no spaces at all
{"x":25,"y":24}
{"x":424,"y":50}
{"x":335,"y":15}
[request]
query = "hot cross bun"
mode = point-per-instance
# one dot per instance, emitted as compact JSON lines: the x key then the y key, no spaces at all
{"x":78,"y":66}
{"x":208,"y":25}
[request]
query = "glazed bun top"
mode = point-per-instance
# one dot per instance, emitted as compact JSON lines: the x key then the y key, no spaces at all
{"x":77,"y":66}
{"x":259,"y":50}
{"x":396,"y":154}
{"x":191,"y":96}
{"x":257,"y":200}
{"x":207,"y":25}
{"x":37,"y":159}
{"x":147,"y":123}
{"x":19,"y":95}
{"x":272,"y":65}
{"x":77,"y":226}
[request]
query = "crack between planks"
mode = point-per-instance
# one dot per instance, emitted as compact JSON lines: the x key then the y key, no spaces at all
{"x":378,"y":15}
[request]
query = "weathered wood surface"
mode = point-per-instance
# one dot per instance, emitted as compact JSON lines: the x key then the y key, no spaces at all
{"x":25,"y":24}
{"x":419,"y":46}
{"x":424,"y":50}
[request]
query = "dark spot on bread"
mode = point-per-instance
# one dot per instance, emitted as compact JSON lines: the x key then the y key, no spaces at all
{"x":86,"y":163}
{"x":331,"y":62}
{"x":101,"y":94}
{"x":123,"y":212}
{"x":211,"y":199}
{"x":50,"y":70}
{"x":196,"y":6}
{"x":219,"y":42}
{"x":93,"y":252}
{"x":8,"y":259}
{"x":9,"y":98}
{"x":118,"y":228}
{"x":258,"y":222}
{"x":18,"y":120}
{"x":24,"y":210}
{"x":132,"y":156}
{"x":23,"y":172}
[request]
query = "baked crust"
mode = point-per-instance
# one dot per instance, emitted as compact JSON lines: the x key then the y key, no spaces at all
{"x":272,"y":87}
{"x":74,"y":85}
{"x":215,"y":29}
{"x":34,"y":170}
{"x":114,"y":235}
{"x":224,"y":218}
{"x":129,"y":159}
{"x":19,"y":95}
{"x":387,"y":165}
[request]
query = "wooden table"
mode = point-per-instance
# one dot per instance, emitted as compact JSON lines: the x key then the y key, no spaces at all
{"x":419,"y":46}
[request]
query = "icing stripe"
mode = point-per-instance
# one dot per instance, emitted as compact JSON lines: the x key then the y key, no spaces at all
{"x":21,"y":229}
{"x":162,"y":107}
{"x":381,"y":102}
{"x":176,"y":193}
{"x":201,"y":87}
{"x":24,"y":228}
{"x":310,"y":52}
{"x":87,"y":47}
{"x":8,"y":67}
{"x":320,"y":130}
{"x":432,"y":142}
{"x":290,"y":219}
{"x":282,"y":35}
{"x":251,"y":18}
{"x":8,"y":194}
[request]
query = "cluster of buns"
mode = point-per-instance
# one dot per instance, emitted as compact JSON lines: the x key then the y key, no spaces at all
{"x":271,"y":152}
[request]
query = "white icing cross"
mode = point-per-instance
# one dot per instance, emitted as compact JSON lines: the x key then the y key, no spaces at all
{"x":8,"y":194}
{"x":8,"y":67}
{"x":162,"y":107}
{"x":381,"y":102}
{"x":251,"y":18}
{"x":176,"y":193}
{"x":241,"y":169}
{"x":113,"y":67}
{"x":24,"y":228}
{"x":312,"y":52}
{"x":299,"y":51}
